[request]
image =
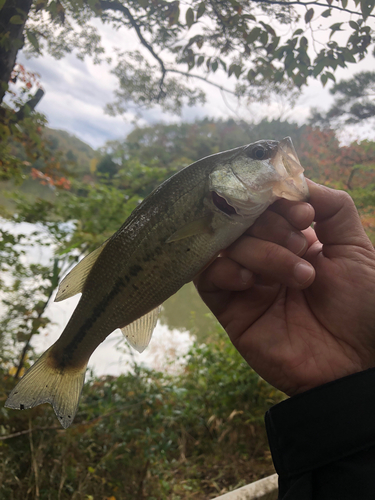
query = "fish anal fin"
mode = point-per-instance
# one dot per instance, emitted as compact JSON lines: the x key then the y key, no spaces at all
{"x":44,"y":384}
{"x":74,"y":281}
{"x":198,"y":226}
{"x":139,"y":333}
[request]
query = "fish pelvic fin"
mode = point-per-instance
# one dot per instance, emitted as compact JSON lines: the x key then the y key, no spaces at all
{"x":43,"y":383}
{"x":139,"y":333}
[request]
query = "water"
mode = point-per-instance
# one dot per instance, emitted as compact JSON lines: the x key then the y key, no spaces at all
{"x":183,"y":319}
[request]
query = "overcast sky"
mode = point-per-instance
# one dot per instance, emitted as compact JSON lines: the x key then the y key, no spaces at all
{"x":77,"y":92}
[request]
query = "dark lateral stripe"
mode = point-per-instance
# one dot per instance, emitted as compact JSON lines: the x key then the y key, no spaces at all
{"x":98,"y":311}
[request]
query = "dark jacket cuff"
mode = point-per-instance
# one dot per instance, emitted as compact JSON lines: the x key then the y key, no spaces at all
{"x":322,"y":425}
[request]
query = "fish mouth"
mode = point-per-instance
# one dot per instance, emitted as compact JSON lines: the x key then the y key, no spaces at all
{"x":293,"y":185}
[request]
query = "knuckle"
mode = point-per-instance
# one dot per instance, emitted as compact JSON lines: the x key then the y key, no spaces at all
{"x":345,"y":198}
{"x":272,"y":252}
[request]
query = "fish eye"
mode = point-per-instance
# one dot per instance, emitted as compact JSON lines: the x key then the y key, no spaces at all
{"x":258,"y":153}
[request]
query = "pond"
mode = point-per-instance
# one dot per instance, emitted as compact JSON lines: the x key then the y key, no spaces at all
{"x":184,"y":318}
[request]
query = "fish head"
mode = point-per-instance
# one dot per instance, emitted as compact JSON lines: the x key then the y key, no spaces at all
{"x":256,"y":176}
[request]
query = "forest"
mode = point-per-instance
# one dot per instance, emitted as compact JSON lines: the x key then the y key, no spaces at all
{"x":190,"y":427}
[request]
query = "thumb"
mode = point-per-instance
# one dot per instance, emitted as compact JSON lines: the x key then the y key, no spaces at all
{"x":337,"y":219}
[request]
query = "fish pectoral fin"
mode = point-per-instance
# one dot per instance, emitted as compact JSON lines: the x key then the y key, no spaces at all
{"x":43,"y":383}
{"x":198,"y":226}
{"x":74,"y":281}
{"x":139,"y":333}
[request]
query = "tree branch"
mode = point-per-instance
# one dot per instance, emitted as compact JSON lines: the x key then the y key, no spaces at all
{"x":281,"y":2}
{"x":116,"y":6}
{"x":198,"y":77}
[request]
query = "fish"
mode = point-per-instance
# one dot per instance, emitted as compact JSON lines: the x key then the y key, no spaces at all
{"x":175,"y":233}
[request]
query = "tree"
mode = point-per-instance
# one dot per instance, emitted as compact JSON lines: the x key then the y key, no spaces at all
{"x":14,"y":14}
{"x":355,"y":101}
{"x":183,"y":43}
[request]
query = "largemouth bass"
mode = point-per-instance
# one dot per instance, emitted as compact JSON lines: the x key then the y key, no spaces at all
{"x":167,"y":240}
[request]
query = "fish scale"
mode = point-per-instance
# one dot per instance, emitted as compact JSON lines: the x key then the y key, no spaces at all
{"x":167,"y":240}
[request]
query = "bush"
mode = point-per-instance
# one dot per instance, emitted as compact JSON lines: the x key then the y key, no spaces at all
{"x":145,"y":434}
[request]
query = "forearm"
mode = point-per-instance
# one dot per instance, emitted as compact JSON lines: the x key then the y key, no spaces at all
{"x":323,"y":441}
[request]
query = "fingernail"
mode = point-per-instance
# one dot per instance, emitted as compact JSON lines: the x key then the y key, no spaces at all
{"x":296,"y":243}
{"x":246,"y":275}
{"x":303,"y":272}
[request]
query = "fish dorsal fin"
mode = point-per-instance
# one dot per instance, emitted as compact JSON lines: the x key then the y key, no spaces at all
{"x":198,"y":226}
{"x":139,"y":333}
{"x":74,"y":281}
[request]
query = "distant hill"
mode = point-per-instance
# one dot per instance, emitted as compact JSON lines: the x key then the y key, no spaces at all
{"x":74,"y":150}
{"x":74,"y":156}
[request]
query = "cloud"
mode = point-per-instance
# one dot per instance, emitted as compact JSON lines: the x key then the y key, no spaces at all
{"x":77,"y":92}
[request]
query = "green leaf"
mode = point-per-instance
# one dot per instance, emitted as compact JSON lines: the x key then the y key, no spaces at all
{"x":290,"y":61}
{"x":348,"y":56}
{"x":201,"y":10}
{"x":298,"y":32}
{"x":200,"y":61}
{"x":324,"y":79}
{"x":237,"y":71}
{"x":366,"y":8}
{"x":33,"y":40}
{"x":143,"y":3}
{"x":40,"y":4}
{"x":269,"y":29}
{"x":189,"y":17}
{"x":249,"y":16}
{"x":335,"y":27}
{"x":2,"y":2}
{"x":16,"y":20}
{"x":319,"y":68}
{"x":344,"y":3}
{"x":253,"y":35}
{"x":223,"y":63}
{"x":174,"y":13}
{"x":299,"y":80}
{"x":326,"y":13}
{"x":353,"y":25}
{"x":309,"y":15}
{"x":199,"y":42}
{"x":214,"y":66}
{"x":330,"y":76}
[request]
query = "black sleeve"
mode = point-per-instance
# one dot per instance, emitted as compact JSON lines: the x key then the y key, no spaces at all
{"x":323,"y":441}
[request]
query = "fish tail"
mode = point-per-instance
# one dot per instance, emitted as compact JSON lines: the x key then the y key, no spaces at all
{"x":46,"y":383}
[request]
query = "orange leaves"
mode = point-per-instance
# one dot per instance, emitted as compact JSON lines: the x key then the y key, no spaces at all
{"x":326,"y":161}
{"x":28,"y":78}
{"x":45,"y":179}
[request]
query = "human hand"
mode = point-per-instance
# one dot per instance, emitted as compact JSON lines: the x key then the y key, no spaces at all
{"x":301,"y":316}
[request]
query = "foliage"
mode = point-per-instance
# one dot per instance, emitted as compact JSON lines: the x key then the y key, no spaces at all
{"x":146,"y":434}
{"x":195,"y":41}
{"x":22,"y":144}
{"x":354,"y":103}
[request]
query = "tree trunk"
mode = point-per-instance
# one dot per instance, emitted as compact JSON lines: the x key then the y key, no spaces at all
{"x":11,"y":37}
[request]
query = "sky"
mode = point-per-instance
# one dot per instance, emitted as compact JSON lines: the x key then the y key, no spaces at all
{"x":77,"y":92}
